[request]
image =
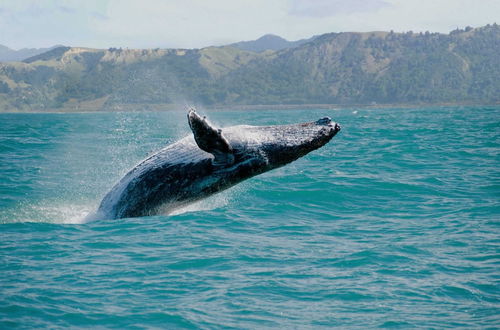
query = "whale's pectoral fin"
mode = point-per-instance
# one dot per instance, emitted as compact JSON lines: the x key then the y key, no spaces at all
{"x":210,"y":139}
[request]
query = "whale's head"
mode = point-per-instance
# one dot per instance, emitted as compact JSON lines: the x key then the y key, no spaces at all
{"x":281,"y":144}
{"x":260,"y":147}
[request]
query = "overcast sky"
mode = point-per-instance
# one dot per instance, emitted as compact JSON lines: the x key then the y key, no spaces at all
{"x":201,"y":23}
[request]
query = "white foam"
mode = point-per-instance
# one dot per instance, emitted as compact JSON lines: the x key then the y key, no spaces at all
{"x":207,"y":204}
{"x":50,"y":212}
{"x":210,"y":203}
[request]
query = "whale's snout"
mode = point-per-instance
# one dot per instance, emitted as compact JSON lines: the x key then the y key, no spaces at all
{"x":327,"y":121}
{"x":336,"y":128}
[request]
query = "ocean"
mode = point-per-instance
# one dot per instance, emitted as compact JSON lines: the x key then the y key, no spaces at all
{"x":394,"y":223}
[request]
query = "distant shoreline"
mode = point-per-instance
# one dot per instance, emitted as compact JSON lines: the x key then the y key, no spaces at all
{"x":253,"y":107}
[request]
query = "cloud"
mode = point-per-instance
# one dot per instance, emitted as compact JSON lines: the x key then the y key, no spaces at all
{"x":326,"y":8}
{"x":188,"y":23}
{"x":34,"y":23}
{"x":199,"y":23}
{"x":99,"y":16}
{"x":66,"y":10}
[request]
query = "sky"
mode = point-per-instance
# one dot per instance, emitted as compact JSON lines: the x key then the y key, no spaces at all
{"x":202,"y":23}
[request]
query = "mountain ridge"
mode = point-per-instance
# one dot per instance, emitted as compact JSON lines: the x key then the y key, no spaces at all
{"x":269,"y":42}
{"x":10,"y":55}
{"x":335,"y":68}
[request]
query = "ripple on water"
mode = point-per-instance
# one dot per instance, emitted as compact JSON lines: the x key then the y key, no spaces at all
{"x":393,"y":224}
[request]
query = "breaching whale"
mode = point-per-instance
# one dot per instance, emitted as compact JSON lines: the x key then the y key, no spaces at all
{"x":209,"y":161}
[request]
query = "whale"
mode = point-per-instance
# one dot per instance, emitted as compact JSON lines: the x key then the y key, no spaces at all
{"x":208,"y":161}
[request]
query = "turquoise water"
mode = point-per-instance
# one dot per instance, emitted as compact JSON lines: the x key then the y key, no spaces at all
{"x":394,"y":223}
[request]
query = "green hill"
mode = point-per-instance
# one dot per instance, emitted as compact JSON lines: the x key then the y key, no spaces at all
{"x":337,"y":68}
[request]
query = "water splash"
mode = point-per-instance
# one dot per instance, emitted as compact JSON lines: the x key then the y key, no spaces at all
{"x":208,"y":204}
{"x":48,"y":212}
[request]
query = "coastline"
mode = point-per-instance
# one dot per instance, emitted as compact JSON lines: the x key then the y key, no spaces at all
{"x":249,"y":107}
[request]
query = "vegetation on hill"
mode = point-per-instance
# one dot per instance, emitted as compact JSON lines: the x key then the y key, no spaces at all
{"x":335,"y":68}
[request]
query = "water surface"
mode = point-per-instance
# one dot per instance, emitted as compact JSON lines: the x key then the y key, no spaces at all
{"x":394,"y":223}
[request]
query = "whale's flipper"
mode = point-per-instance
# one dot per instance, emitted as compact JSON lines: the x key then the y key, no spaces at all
{"x":210,"y":139}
